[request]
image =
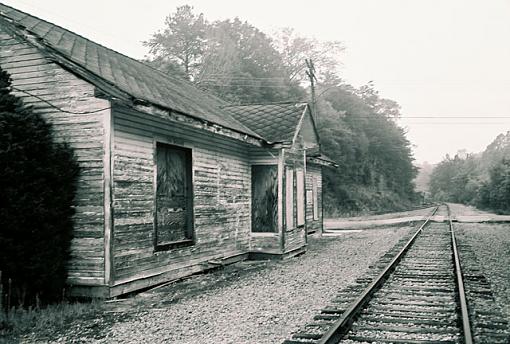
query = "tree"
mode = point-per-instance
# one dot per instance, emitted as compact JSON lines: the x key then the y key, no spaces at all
{"x":182,"y":43}
{"x":242,"y":66}
{"x":37,"y":179}
{"x":496,"y":192}
{"x":375,"y":160}
{"x":294,"y":49}
{"x":386,"y":107}
{"x":456,"y":180}
{"x":478,"y":179}
{"x":229,"y":58}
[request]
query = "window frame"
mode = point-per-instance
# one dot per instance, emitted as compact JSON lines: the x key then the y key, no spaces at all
{"x":257,"y":231}
{"x":290,"y":216}
{"x":315,"y":197}
{"x":300,"y":197}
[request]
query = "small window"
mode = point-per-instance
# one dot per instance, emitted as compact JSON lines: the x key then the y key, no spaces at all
{"x":264,"y":203}
{"x":174,"y":197}
{"x":289,"y":198}
{"x":315,"y":196}
{"x":300,"y":197}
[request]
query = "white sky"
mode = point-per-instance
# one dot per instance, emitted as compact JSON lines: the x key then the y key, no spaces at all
{"x":437,"y":58}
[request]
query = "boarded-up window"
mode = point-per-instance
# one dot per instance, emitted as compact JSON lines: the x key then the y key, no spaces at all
{"x":264,"y":206}
{"x":174,"y":202}
{"x":315,"y":196}
{"x":300,"y":197}
{"x":289,"y":198}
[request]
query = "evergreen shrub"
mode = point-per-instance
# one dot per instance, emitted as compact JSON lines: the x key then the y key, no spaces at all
{"x":37,"y":187}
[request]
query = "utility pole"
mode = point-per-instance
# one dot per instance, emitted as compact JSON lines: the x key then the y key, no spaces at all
{"x":311,"y":75}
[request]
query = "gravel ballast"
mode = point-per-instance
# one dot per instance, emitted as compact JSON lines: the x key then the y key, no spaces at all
{"x":491,"y":244}
{"x":264,"y":304}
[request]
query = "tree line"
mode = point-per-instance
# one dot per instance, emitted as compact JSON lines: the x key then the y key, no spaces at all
{"x":241,"y":64}
{"x":480,"y":179}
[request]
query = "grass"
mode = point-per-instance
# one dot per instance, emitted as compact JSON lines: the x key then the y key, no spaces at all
{"x":44,"y":321}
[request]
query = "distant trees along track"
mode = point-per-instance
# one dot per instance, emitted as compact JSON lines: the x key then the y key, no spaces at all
{"x":414,"y":294}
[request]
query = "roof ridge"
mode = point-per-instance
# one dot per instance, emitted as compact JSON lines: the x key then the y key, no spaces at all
{"x":269,"y":103}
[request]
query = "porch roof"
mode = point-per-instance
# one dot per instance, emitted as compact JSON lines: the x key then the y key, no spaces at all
{"x":276,"y":122}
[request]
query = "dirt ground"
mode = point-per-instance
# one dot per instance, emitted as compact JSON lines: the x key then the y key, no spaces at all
{"x":250,"y":302}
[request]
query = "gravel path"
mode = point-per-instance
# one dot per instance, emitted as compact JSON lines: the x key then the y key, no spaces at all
{"x":491,"y":243}
{"x":263,"y":305}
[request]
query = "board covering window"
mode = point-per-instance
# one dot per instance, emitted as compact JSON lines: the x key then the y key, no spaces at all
{"x":315,"y":196}
{"x":174,"y":200}
{"x":300,"y":197}
{"x":264,"y":204}
{"x":289,"y":198}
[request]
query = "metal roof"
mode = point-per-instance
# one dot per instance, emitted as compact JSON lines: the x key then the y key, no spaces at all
{"x":133,"y":77}
{"x":273,"y":122}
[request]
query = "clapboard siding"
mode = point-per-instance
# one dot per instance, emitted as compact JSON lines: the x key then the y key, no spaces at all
{"x":221,"y":195}
{"x":33,"y":72}
{"x":114,"y":249}
{"x":294,"y":158}
{"x":313,"y":172}
{"x":307,"y":131}
{"x":180,"y":131}
{"x":295,"y":239}
{"x":261,"y":156}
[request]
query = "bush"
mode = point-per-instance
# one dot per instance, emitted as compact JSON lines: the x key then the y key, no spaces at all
{"x":38,"y":184}
{"x":495,"y":194}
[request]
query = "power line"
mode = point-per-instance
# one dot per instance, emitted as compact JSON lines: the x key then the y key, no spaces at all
{"x":354,"y":116}
{"x":460,"y":123}
{"x":224,"y":76}
{"x":351,"y":118}
{"x":238,"y":85}
{"x":59,"y":108}
{"x":456,"y":117}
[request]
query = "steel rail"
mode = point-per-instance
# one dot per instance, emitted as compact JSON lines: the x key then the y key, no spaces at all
{"x":342,"y":325}
{"x":466,"y":326}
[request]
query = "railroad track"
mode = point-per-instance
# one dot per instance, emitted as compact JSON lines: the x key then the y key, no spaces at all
{"x":415,"y":295}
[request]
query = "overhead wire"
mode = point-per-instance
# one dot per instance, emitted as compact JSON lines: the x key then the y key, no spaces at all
{"x":57,"y":107}
{"x":350,"y":118}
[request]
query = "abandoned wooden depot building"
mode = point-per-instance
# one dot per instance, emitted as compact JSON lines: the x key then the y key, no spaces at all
{"x":173,"y":181}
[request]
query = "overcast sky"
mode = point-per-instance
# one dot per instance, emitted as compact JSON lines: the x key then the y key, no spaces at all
{"x":437,"y":58}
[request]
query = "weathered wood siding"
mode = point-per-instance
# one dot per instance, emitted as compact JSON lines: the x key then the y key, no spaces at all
{"x":33,"y":72}
{"x":221,"y":196}
{"x":313,"y":173}
{"x":307,"y":131}
{"x":294,"y":159}
{"x":263,"y":156}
